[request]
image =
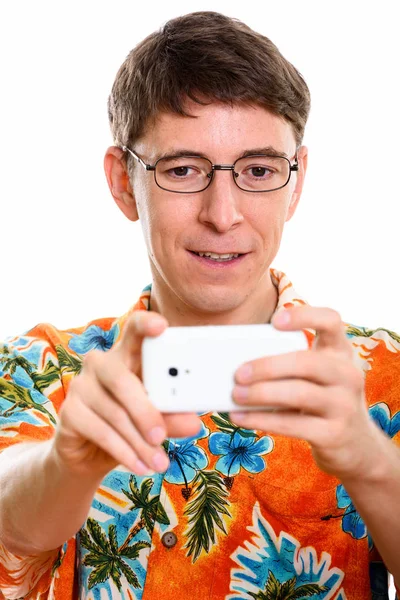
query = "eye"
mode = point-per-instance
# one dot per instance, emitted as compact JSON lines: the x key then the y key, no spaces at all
{"x":260,"y":171}
{"x":180,"y":171}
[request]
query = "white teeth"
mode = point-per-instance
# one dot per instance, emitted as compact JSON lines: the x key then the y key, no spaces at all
{"x":217,"y":256}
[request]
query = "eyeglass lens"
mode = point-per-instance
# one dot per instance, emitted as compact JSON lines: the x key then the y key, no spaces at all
{"x":192,"y":174}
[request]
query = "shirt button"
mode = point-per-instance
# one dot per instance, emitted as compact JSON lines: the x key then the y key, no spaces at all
{"x":169,"y":539}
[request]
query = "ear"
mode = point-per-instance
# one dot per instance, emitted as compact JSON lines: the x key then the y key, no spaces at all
{"x":302,"y":158}
{"x":118,"y":181}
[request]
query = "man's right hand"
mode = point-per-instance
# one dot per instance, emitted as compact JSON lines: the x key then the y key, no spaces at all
{"x":107,"y":418}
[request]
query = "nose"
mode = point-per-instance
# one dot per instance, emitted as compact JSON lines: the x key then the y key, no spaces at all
{"x":221,"y":203}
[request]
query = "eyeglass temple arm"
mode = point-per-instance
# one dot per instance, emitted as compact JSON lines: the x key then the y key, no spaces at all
{"x":138,"y":159}
{"x":295,"y":167}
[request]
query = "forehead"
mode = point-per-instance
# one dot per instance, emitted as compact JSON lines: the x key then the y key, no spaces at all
{"x":219,"y":130}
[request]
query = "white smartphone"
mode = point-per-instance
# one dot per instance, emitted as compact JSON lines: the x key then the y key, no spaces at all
{"x":191,"y":369}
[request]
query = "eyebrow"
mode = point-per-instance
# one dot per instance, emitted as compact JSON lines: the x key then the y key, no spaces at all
{"x":172,"y":152}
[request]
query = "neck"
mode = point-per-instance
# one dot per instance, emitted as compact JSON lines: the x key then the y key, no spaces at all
{"x":257,"y":307}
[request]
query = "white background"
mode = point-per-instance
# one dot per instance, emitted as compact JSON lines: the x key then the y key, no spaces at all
{"x":68,"y":255}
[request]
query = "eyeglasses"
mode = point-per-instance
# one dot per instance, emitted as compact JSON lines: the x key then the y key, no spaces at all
{"x":193,"y":174}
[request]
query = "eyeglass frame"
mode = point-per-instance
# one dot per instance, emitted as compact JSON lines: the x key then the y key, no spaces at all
{"x":148,"y":167}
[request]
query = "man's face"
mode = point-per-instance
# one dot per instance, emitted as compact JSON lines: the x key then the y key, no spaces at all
{"x":222,"y":219}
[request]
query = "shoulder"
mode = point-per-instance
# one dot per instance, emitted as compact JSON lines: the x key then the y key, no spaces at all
{"x":41,"y":362}
{"x":45,"y":339}
{"x":376,"y":350}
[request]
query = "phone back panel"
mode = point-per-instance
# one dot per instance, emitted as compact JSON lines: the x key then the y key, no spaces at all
{"x":191,"y":369}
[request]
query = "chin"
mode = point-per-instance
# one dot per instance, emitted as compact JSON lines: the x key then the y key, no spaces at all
{"x":211,"y":301}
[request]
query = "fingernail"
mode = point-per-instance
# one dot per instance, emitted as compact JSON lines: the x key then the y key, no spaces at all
{"x":282,"y":317}
{"x":244,"y":373}
{"x":160,"y":462}
{"x":157,"y":435}
{"x":240,"y":392}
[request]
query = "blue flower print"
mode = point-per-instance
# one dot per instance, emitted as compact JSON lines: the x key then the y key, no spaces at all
{"x":94,"y":338}
{"x":276,"y":558}
{"x":352,"y":522}
{"x":381,"y":415}
{"x":239,"y":451}
{"x":186,"y":458}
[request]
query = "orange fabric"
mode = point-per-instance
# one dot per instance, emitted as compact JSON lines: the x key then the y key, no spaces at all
{"x":282,"y":517}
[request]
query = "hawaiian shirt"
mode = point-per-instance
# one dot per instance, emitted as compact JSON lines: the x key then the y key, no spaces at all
{"x":239,"y":514}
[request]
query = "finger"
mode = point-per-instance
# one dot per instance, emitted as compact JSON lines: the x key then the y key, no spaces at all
{"x":294,"y":394}
{"x":182,"y":425}
{"x":327,"y":368}
{"x":289,"y":424}
{"x":140,"y":324}
{"x":325,"y":321}
{"x":119,"y":420}
{"x":128,"y":392}
{"x":75,"y":418}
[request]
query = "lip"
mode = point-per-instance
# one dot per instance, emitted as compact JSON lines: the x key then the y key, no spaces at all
{"x":212,"y":264}
{"x":218,"y":252}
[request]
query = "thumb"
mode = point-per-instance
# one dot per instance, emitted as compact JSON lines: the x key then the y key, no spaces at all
{"x":140,"y":324}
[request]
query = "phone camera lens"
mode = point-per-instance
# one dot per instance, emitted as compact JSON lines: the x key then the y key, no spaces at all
{"x":173,"y":372}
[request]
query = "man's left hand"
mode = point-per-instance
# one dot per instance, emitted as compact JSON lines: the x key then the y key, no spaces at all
{"x":319,"y":394}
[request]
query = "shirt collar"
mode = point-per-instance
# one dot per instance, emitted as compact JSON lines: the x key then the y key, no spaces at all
{"x":287,"y":295}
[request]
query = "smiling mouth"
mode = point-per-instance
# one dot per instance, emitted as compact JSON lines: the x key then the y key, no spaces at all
{"x":217,"y":257}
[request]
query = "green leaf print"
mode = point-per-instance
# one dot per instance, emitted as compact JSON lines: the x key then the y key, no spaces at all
{"x":68,"y":362}
{"x":275,"y":590}
{"x":151,"y":510}
{"x":45,"y":378}
{"x":364,"y":332}
{"x":204,"y":512}
{"x":101,"y":574}
{"x":21,"y":399}
{"x":133,"y":551}
{"x":98,"y":536}
{"x":112,"y":534}
{"x":105,"y":556}
{"x":9,"y":362}
{"x":225,"y":425}
{"x":130,"y":575}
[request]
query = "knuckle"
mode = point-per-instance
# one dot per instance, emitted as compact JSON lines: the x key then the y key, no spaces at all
{"x":92,"y":359}
{"x":348,"y":408}
{"x":78,"y":388}
{"x":285,"y":426}
{"x":302,"y":397}
{"x":353,"y":377}
{"x":119,"y":417}
{"x":124,"y":387}
{"x":335,"y":318}
{"x":266,"y":366}
{"x":331,"y":433}
{"x":105,"y":439}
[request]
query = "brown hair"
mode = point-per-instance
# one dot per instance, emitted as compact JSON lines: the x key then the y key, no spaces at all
{"x":204,"y":55}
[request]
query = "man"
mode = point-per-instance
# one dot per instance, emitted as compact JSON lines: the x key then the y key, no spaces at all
{"x":104,"y":497}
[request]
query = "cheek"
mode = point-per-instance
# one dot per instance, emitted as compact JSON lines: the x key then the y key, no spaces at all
{"x":147,"y":207}
{"x":170,"y":214}
{"x":268,"y":216}
{"x":166,"y":223}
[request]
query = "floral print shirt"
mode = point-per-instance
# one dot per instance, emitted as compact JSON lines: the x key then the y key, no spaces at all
{"x":238,"y":515}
